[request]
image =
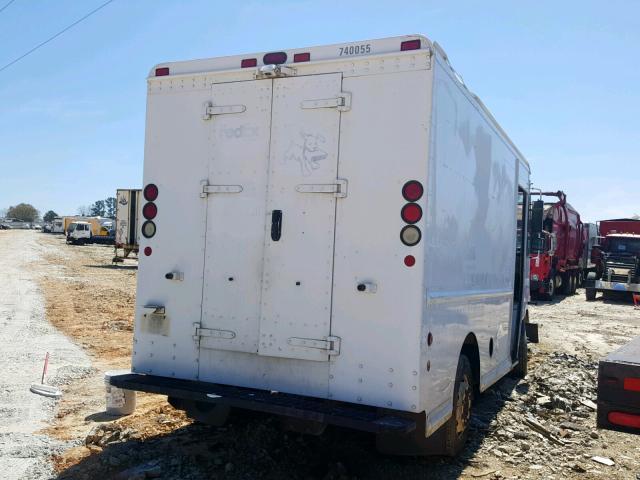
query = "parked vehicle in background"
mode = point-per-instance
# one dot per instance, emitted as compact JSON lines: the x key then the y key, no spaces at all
{"x":57,"y":226}
{"x":557,"y":247}
{"x":127,"y":223}
{"x":335,"y":234}
{"x":99,"y":228}
{"x":619,"y":389}
{"x":11,"y":223}
{"x":590,"y":236}
{"x":617,"y":258}
{"x":79,"y":233}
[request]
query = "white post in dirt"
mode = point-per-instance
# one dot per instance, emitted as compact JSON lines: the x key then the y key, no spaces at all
{"x":119,"y":401}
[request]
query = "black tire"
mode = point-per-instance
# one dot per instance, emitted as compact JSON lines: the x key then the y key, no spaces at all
{"x":457,"y":427}
{"x":203,"y":412}
{"x":551,"y":290}
{"x":573,"y":284}
{"x":449,"y":439}
{"x":566,"y":284}
{"x":590,"y":293}
{"x":522,"y":367}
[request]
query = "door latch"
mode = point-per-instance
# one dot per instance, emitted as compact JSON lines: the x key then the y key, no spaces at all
{"x":342,"y":102}
{"x":339,"y":189}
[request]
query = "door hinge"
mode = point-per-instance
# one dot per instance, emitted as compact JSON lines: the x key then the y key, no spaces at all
{"x":330,"y":344}
{"x":209,"y":110}
{"x":342,"y":102}
{"x":206,"y":189}
{"x":200,"y":332}
{"x":339,"y":189}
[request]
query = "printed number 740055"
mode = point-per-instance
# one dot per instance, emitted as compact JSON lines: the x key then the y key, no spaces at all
{"x":355,"y":49}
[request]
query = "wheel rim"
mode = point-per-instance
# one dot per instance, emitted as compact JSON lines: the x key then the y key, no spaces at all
{"x":463,"y":405}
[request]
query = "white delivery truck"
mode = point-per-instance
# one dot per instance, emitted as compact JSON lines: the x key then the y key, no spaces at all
{"x":58,"y":225}
{"x":127,"y":223}
{"x":332,"y":234}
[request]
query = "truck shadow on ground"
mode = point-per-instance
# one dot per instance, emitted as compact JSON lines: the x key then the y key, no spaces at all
{"x":253,"y":445}
{"x":114,"y":267}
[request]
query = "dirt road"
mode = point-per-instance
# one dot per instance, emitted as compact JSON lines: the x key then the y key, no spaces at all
{"x":157,"y":441}
{"x":25,"y":336}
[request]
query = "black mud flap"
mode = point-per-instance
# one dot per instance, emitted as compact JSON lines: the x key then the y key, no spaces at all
{"x":531,"y":330}
{"x":342,"y":414}
{"x":619,"y":389}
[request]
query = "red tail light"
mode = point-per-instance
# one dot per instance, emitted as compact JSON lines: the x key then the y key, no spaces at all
{"x":149,"y":211}
{"x":301,"y":57}
{"x":624,"y":419}
{"x":632,"y":384}
{"x":148,"y":251}
{"x":411,"y":213}
{"x":162,"y":71}
{"x":409,"y":260}
{"x":412,"y":191}
{"x":248,"y":62}
{"x":410,"y":45}
{"x":274,"y":58}
{"x":150,"y":192}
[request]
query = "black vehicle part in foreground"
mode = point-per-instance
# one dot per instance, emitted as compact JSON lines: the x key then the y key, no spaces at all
{"x":619,"y":389}
{"x":278,"y":403}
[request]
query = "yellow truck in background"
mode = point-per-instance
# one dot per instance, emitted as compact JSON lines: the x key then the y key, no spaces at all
{"x":101,"y":228}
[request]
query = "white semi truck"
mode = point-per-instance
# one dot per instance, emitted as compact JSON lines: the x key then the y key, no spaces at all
{"x":331,"y":234}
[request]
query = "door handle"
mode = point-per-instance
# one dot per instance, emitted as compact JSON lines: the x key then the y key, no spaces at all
{"x":276,"y":225}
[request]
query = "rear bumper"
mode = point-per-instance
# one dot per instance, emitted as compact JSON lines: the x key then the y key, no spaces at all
{"x":342,"y":414}
{"x":615,"y":286}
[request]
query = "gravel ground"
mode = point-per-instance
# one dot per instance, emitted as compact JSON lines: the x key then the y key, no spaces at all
{"x":25,"y":336}
{"x":539,"y":427}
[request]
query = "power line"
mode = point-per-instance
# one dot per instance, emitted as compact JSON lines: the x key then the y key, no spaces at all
{"x":4,"y":67}
{"x":6,"y":5}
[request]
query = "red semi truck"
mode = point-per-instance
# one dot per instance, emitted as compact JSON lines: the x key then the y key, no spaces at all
{"x":557,"y":247}
{"x":617,"y":258}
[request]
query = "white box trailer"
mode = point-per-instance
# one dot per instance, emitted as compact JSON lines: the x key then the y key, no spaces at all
{"x":127,"y":226}
{"x":354,"y":230}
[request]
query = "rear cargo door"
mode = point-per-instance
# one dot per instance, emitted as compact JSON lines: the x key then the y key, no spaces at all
{"x":301,"y":203}
{"x":236,"y":192}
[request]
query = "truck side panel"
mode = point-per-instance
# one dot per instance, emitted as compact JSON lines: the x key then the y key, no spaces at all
{"x":471,"y":239}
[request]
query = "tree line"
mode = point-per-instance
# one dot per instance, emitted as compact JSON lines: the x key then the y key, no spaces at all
{"x":26,"y":212}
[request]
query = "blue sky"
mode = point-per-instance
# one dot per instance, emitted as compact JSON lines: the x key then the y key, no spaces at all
{"x":562,"y":78}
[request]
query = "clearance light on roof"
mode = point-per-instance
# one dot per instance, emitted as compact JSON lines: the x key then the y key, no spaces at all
{"x":162,"y":71}
{"x":248,"y":62}
{"x":410,"y":45}
{"x":301,"y":57}
{"x":274,"y":58}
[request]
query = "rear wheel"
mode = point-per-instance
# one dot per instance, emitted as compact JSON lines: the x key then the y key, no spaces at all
{"x":457,"y":428}
{"x":449,"y":439}
{"x":522,"y":367}
{"x":590,"y":293}
{"x":574,"y":283}
{"x":203,"y":412}
{"x":551,"y":289}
